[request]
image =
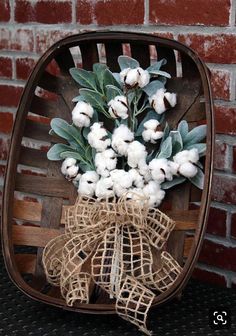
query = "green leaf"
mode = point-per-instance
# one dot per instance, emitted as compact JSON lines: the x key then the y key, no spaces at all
{"x":54,"y":152}
{"x":198,"y":179}
{"x":160,"y":73}
{"x":166,"y":149}
{"x":86,"y":131}
{"x":166,"y":133}
{"x":99,"y":70}
{"x":77,"y":98}
{"x":109,"y":79}
{"x":150,"y":115}
{"x":112,"y":91}
{"x":127,"y":62}
{"x":183,"y":129}
{"x":174,"y":182}
{"x":177,"y":142}
{"x":196,"y":135}
{"x":74,"y":155}
{"x":66,"y":131}
{"x":152,"y":87}
{"x":85,"y":78}
{"x":93,"y":98}
{"x":157,"y":65}
{"x":201,"y":147}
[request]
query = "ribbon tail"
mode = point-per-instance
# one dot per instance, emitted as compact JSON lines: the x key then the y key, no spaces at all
{"x":133,"y":303}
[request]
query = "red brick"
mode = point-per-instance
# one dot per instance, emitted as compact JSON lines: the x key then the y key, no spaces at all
{"x":46,"y":38}
{"x":6,"y":122}
{"x":2,"y":170}
{"x":221,"y":160}
{"x":217,"y":222}
{"x":10,"y":95}
{"x":4,"y":148}
{"x":233,"y":225}
{"x":218,"y":255}
{"x":225,"y":119}
{"x":224,"y":189}
{"x":16,"y":39}
{"x":220,"y":81}
{"x":39,"y":119}
{"x":53,"y":68}
{"x":5,"y":67}
{"x":24,"y":67}
{"x":210,"y":277}
{"x":4,"y":11}
{"x":43,"y":11}
{"x":109,"y":12}
{"x":215,"y":48}
{"x":234,"y":160}
{"x":191,"y":12}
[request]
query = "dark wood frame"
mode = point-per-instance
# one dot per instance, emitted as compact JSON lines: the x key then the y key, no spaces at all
{"x":192,"y":67}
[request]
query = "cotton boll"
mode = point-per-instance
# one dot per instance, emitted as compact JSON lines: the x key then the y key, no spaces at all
{"x":188,"y":169}
{"x":154,"y":193}
{"x":81,"y":114}
{"x":173,"y":167}
{"x":181,"y":157}
{"x":160,"y":170}
{"x":122,"y":181}
{"x":144,"y":77}
{"x":87,"y":183}
{"x":136,"y":154}
{"x":104,"y":188}
{"x":75,"y":180}
{"x":171,"y":98}
{"x":138,"y":180}
{"x":132,"y":77}
{"x":123,"y":74}
{"x":193,"y":155}
{"x":135,"y":77}
{"x":121,"y":138}
{"x":118,"y":107}
{"x":152,"y":131}
{"x":157,"y":101}
{"x":105,"y":161}
{"x":69,"y":168}
{"x":98,"y":137}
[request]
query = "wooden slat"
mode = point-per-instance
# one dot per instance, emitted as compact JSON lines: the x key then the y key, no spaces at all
{"x":46,"y":186}
{"x":26,"y":263}
{"x":32,"y":236}
{"x":141,"y":53}
{"x":169,"y":55}
{"x":49,"y":108}
{"x":187,"y":246}
{"x":31,"y":211}
{"x":51,"y":83}
{"x":39,"y":131}
{"x":89,"y":54}
{"x":33,"y":157}
{"x":113,"y":51}
{"x":65,"y":60}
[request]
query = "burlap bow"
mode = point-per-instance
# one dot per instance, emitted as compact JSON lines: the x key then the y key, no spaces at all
{"x":112,"y":244}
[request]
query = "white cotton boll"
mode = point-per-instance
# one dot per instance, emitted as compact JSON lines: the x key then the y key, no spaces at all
{"x":144,"y":171}
{"x":160,"y":170}
{"x":87,"y":183}
{"x":171,"y":98}
{"x":157,"y":101}
{"x":97,"y":137}
{"x":181,"y":157}
{"x":104,"y":188}
{"x":137,"y":194}
{"x":69,"y":168}
{"x":154,"y":193}
{"x":105,"y":161}
{"x":193,"y":155}
{"x":173,"y":167}
{"x":76,"y":179}
{"x":81,"y":114}
{"x":144,"y":77}
{"x":118,"y":107}
{"x":123,"y":74}
{"x":151,"y":124}
{"x":136,"y":154}
{"x":131,"y":78}
{"x":137,"y":179}
{"x":122,"y":181}
{"x":187,"y":169}
{"x":121,"y":139}
{"x":151,"y":131}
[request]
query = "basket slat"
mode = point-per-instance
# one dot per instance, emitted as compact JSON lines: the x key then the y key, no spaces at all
{"x":169,"y":55}
{"x":141,"y":53}
{"x":113,"y":51}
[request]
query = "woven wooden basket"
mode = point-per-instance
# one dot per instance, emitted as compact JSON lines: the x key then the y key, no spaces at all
{"x":40,"y":222}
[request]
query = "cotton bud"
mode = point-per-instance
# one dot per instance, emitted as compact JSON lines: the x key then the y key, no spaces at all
{"x":105,"y":161}
{"x":87,"y":183}
{"x":118,"y":107}
{"x":137,"y":179}
{"x":136,"y":154}
{"x":186,"y":160}
{"x":69,"y":168}
{"x":161,"y":170}
{"x":121,"y":139}
{"x":104,"y":188}
{"x":98,"y":137}
{"x":162,"y":100}
{"x":152,"y":131}
{"x":187,"y":169}
{"x":81,"y":114}
{"x":122,"y":181}
{"x":154,"y":193}
{"x":135,"y":77}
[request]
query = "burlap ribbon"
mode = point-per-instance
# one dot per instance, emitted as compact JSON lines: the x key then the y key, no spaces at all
{"x":112,"y":244}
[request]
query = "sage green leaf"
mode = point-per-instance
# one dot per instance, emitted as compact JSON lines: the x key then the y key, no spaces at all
{"x":127,"y":62}
{"x":54,"y":152}
{"x":99,"y":70}
{"x":74,"y":155}
{"x":66,"y":131}
{"x":198,"y":179}
{"x":169,"y":184}
{"x":201,"y":147}
{"x":166,"y":148}
{"x":166,"y":133}
{"x":160,"y":73}
{"x":112,"y":91}
{"x":93,"y":98}
{"x":109,"y":79}
{"x":152,"y":87}
{"x":196,"y":135}
{"x":85,"y":78}
{"x":183,"y":129}
{"x":177,"y":142}
{"x":150,"y":115}
{"x":157,"y":65}
{"x":77,"y":98}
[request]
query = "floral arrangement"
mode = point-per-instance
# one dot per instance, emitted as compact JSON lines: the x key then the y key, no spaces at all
{"x":119,"y":142}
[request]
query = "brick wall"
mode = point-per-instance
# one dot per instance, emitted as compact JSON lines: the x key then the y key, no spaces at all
{"x":28,"y":28}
